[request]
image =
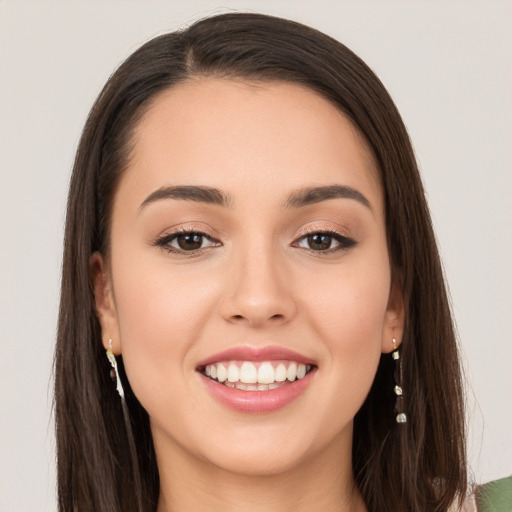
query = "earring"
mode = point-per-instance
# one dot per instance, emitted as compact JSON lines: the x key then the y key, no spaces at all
{"x":401,"y":417}
{"x":114,"y":372}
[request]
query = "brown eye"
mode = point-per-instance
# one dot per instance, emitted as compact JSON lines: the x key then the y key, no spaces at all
{"x":186,"y":242}
{"x":325,"y":242}
{"x":319,"y":241}
{"x":189,"y":241}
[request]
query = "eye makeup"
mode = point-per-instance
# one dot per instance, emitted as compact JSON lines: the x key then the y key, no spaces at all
{"x":186,"y":241}
{"x":324,"y":241}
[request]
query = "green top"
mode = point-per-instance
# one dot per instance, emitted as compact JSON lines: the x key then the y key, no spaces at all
{"x":495,"y":496}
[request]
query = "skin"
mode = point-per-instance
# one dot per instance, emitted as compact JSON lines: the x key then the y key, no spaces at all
{"x":260,"y":282}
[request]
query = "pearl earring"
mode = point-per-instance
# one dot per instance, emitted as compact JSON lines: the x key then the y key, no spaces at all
{"x":401,"y":417}
{"x":114,"y":372}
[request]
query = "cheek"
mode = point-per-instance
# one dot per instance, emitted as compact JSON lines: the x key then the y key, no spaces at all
{"x":348,"y":304}
{"x":160,"y":314}
{"x":348,"y":312}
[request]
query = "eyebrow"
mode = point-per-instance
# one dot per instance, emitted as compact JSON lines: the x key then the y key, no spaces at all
{"x":311,"y":195}
{"x":303,"y":197}
{"x":195,"y":193}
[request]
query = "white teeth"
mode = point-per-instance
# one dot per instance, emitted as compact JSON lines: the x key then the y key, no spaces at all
{"x":222,"y":373}
{"x":291,"y":373}
{"x":266,"y":373}
{"x":246,"y":387}
{"x":280,"y":373}
{"x":248,"y":377}
{"x":248,"y":373}
{"x":233,"y":373}
{"x":254,"y":387}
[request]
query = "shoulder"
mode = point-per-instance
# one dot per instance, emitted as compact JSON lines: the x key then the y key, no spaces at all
{"x":495,"y":496}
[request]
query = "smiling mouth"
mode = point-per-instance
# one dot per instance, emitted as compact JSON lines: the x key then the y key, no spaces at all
{"x":256,"y":376}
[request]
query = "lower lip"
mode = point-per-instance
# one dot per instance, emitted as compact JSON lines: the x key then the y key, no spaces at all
{"x":257,"y":401}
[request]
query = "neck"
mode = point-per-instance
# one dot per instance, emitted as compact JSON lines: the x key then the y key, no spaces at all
{"x":323,"y":483}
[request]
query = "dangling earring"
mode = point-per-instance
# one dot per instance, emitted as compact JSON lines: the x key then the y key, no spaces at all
{"x":114,"y":373}
{"x":401,"y":417}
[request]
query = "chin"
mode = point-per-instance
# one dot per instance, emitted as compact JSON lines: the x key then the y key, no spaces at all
{"x":259,"y":464}
{"x":273,"y":451}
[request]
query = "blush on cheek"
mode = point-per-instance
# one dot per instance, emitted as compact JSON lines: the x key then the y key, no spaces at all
{"x":159,"y":319}
{"x":356,"y":368}
{"x":353,"y":316}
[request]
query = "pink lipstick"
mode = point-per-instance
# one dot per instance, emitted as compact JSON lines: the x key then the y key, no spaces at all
{"x":256,"y":380}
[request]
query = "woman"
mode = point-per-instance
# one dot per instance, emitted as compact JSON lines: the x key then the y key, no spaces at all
{"x":248,"y":239}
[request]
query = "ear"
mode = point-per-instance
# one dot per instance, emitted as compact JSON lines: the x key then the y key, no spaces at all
{"x":104,"y":300}
{"x":395,"y":316}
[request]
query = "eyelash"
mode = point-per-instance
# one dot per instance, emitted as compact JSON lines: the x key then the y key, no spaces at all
{"x":344,"y":242}
{"x":165,"y":241}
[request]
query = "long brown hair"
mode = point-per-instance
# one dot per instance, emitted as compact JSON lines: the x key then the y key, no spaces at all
{"x":415,"y":466}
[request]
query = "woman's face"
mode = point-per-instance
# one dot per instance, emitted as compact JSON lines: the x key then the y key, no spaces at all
{"x":248,"y":242}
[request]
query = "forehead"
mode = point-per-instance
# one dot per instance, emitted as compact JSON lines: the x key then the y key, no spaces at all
{"x":247,"y":135}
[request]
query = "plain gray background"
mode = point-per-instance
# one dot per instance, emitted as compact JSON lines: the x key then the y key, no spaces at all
{"x":446,"y":64}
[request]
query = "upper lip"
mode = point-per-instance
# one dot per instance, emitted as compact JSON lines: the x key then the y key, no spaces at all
{"x":249,"y":353}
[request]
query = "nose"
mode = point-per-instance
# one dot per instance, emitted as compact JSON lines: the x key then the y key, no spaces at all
{"x":259,"y":292}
